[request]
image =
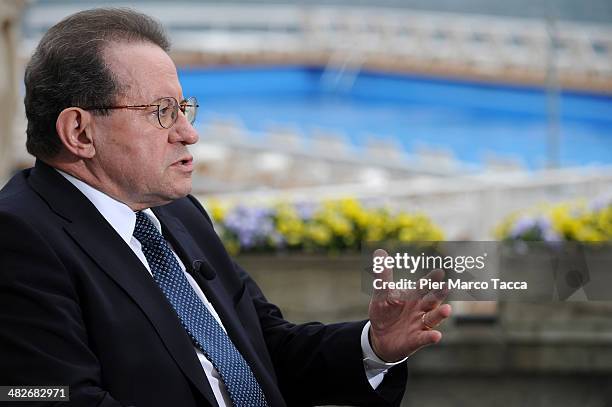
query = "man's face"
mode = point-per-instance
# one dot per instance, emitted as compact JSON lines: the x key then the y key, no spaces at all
{"x":137,"y":161}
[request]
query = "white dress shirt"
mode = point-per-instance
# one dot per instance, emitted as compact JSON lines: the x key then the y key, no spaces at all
{"x":123,"y":220}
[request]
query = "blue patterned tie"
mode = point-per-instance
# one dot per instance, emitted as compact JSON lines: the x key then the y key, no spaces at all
{"x":199,"y":323}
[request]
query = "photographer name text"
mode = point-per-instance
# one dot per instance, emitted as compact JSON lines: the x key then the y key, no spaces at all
{"x":451,"y":284}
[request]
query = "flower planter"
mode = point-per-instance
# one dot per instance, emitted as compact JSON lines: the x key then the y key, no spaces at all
{"x":325,"y":288}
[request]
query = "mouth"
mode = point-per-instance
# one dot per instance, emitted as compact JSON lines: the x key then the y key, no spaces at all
{"x":185,"y":163}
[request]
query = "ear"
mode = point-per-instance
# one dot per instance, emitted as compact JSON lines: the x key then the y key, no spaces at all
{"x":73,"y":127}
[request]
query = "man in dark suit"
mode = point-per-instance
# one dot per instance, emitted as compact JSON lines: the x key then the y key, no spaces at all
{"x":112,"y":280}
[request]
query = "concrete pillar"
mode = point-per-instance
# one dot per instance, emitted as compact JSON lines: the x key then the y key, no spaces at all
{"x":10,"y":17}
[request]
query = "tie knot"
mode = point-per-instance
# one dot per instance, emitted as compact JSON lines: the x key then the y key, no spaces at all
{"x":145,"y":231}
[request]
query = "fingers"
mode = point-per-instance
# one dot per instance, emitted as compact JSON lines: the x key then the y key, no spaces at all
{"x":429,"y":320}
{"x":386,"y":276}
{"x":426,"y":338}
{"x":435,"y":317}
{"x":433,"y":299}
{"x":431,"y":295}
{"x":434,"y":276}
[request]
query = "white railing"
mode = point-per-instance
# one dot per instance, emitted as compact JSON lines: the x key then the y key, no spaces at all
{"x":324,"y":148}
{"x":487,"y":43}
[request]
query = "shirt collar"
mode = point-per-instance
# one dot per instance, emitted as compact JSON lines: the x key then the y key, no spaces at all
{"x":116,"y":213}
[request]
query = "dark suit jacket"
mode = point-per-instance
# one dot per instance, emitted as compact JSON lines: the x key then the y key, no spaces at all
{"x":78,"y":308}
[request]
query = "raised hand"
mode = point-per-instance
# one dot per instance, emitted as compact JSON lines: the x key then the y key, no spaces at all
{"x":402,"y":322}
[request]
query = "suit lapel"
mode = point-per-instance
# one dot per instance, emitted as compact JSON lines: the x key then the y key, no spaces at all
{"x":102,"y":243}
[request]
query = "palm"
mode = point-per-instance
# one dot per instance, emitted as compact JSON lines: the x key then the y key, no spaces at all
{"x":397,"y":328}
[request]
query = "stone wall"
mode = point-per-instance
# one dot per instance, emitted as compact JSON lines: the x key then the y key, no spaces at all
{"x":555,"y":354}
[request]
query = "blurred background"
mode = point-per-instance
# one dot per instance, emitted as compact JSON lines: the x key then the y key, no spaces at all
{"x":325,"y":124}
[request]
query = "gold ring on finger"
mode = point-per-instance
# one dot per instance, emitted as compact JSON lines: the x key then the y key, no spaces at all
{"x":425,"y":324}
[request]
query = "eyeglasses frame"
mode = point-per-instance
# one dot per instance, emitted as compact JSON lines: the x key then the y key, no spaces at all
{"x":182,"y":105}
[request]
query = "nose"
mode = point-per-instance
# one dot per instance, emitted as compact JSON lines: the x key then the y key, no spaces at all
{"x":183,"y":131}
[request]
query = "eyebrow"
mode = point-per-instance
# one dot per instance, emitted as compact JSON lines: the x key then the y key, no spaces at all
{"x":157,"y":97}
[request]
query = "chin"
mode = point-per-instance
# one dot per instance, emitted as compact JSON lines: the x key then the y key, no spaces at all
{"x":182,"y":191}
{"x":172,"y":189}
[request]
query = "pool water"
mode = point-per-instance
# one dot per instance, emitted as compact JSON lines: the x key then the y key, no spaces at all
{"x":473,"y":121}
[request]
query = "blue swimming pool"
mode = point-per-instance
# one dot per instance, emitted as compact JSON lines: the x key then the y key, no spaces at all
{"x":471,"y":120}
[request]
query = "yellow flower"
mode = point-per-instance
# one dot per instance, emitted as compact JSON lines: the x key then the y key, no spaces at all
{"x":562,"y":220}
{"x":352,"y":209}
{"x":291,"y":228}
{"x":319,"y":234}
{"x":336,"y":225}
{"x":573,"y":221}
{"x":374,"y":234}
{"x":603,"y":222}
{"x":505,"y":227}
{"x":417,"y":227}
{"x":216,"y":210}
{"x":232,"y":247}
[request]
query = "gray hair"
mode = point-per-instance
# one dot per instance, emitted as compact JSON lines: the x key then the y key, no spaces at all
{"x":68,"y":69}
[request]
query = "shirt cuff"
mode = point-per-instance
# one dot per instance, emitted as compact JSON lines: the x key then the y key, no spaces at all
{"x":375,"y":367}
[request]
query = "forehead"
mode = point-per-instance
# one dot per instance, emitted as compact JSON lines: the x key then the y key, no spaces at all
{"x":144,"y":69}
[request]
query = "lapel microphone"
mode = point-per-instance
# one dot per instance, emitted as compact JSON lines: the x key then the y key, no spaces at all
{"x":203,"y":267}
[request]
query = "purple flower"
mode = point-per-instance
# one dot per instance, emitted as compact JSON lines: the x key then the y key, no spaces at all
{"x":277,"y":239}
{"x":539,"y":228}
{"x":601,"y":202}
{"x":251,"y":225}
{"x":522,"y":226}
{"x":543,"y":223}
{"x":306,"y":210}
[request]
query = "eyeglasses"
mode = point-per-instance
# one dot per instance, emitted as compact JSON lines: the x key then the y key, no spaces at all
{"x":167,"y":109}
